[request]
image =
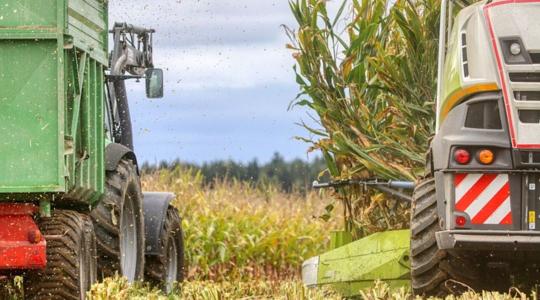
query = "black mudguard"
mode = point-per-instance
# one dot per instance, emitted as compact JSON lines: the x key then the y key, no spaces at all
{"x":114,"y":153}
{"x":155,"y":207}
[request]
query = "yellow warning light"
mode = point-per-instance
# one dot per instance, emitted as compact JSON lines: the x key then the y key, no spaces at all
{"x":486,"y":156}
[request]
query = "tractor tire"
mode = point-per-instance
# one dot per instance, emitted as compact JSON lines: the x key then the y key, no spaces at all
{"x":119,"y":224}
{"x":435,"y":272}
{"x":168,"y":267}
{"x":71,"y":258}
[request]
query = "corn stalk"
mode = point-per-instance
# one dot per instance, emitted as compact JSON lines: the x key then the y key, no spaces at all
{"x":368,"y":72}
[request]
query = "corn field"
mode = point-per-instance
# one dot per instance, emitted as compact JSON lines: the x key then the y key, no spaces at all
{"x":220,"y":270}
{"x":368,"y":71}
{"x":238,"y":232}
{"x":240,"y":240}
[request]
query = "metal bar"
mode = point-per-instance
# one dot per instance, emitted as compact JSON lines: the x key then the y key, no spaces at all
{"x":129,"y":28}
{"x":440,"y":66}
{"x":28,"y":35}
{"x":77,"y":101}
{"x":45,"y":208}
{"x":123,"y":77}
{"x":394,"y":193}
{"x":389,"y":187}
{"x":450,"y":20}
{"x":493,"y":171}
{"x":324,"y":185}
{"x":61,"y":21}
{"x":407,"y":185}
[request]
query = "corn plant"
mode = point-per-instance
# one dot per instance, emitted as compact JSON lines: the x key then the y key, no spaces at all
{"x":368,"y":71}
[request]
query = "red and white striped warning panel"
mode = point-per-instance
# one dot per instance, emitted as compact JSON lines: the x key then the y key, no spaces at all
{"x":484,"y":197}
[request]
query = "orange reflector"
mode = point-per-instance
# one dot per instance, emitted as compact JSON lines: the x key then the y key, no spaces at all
{"x":34,"y":236}
{"x":486,"y":157}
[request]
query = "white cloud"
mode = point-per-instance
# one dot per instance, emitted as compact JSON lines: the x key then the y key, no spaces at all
{"x":206,"y":22}
{"x":215,"y":43}
{"x":224,"y":67}
{"x":228,"y":66}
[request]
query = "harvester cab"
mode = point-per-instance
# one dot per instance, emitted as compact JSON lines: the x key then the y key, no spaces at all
{"x":71,"y":202}
{"x":477,"y":211}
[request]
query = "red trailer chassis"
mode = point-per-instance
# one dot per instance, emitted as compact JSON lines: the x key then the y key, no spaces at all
{"x":22,"y":245}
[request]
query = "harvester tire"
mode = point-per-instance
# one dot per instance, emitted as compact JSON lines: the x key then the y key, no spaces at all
{"x":435,"y":272}
{"x":71,"y":258}
{"x":167,"y":268}
{"x":119,"y":224}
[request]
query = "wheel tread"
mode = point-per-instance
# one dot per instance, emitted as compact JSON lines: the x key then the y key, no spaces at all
{"x":431,"y":267}
{"x":60,"y":279}
{"x":156,"y":266}
{"x":108,"y":232}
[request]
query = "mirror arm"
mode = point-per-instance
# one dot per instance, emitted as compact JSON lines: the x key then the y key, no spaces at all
{"x":122,"y":77}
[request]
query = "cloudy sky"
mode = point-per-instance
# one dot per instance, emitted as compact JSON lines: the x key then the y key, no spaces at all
{"x":229,"y":80}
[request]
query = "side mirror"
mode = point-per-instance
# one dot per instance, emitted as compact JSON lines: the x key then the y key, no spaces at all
{"x":154,"y":83}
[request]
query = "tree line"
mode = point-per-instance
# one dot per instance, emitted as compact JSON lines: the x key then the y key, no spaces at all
{"x":293,"y":175}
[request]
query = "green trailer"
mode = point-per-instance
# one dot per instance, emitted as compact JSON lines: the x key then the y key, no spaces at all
{"x":53,"y":55}
{"x":70,"y":193}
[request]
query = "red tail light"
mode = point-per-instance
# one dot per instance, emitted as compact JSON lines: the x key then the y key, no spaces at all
{"x":462,"y":156}
{"x":460,"y":221}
